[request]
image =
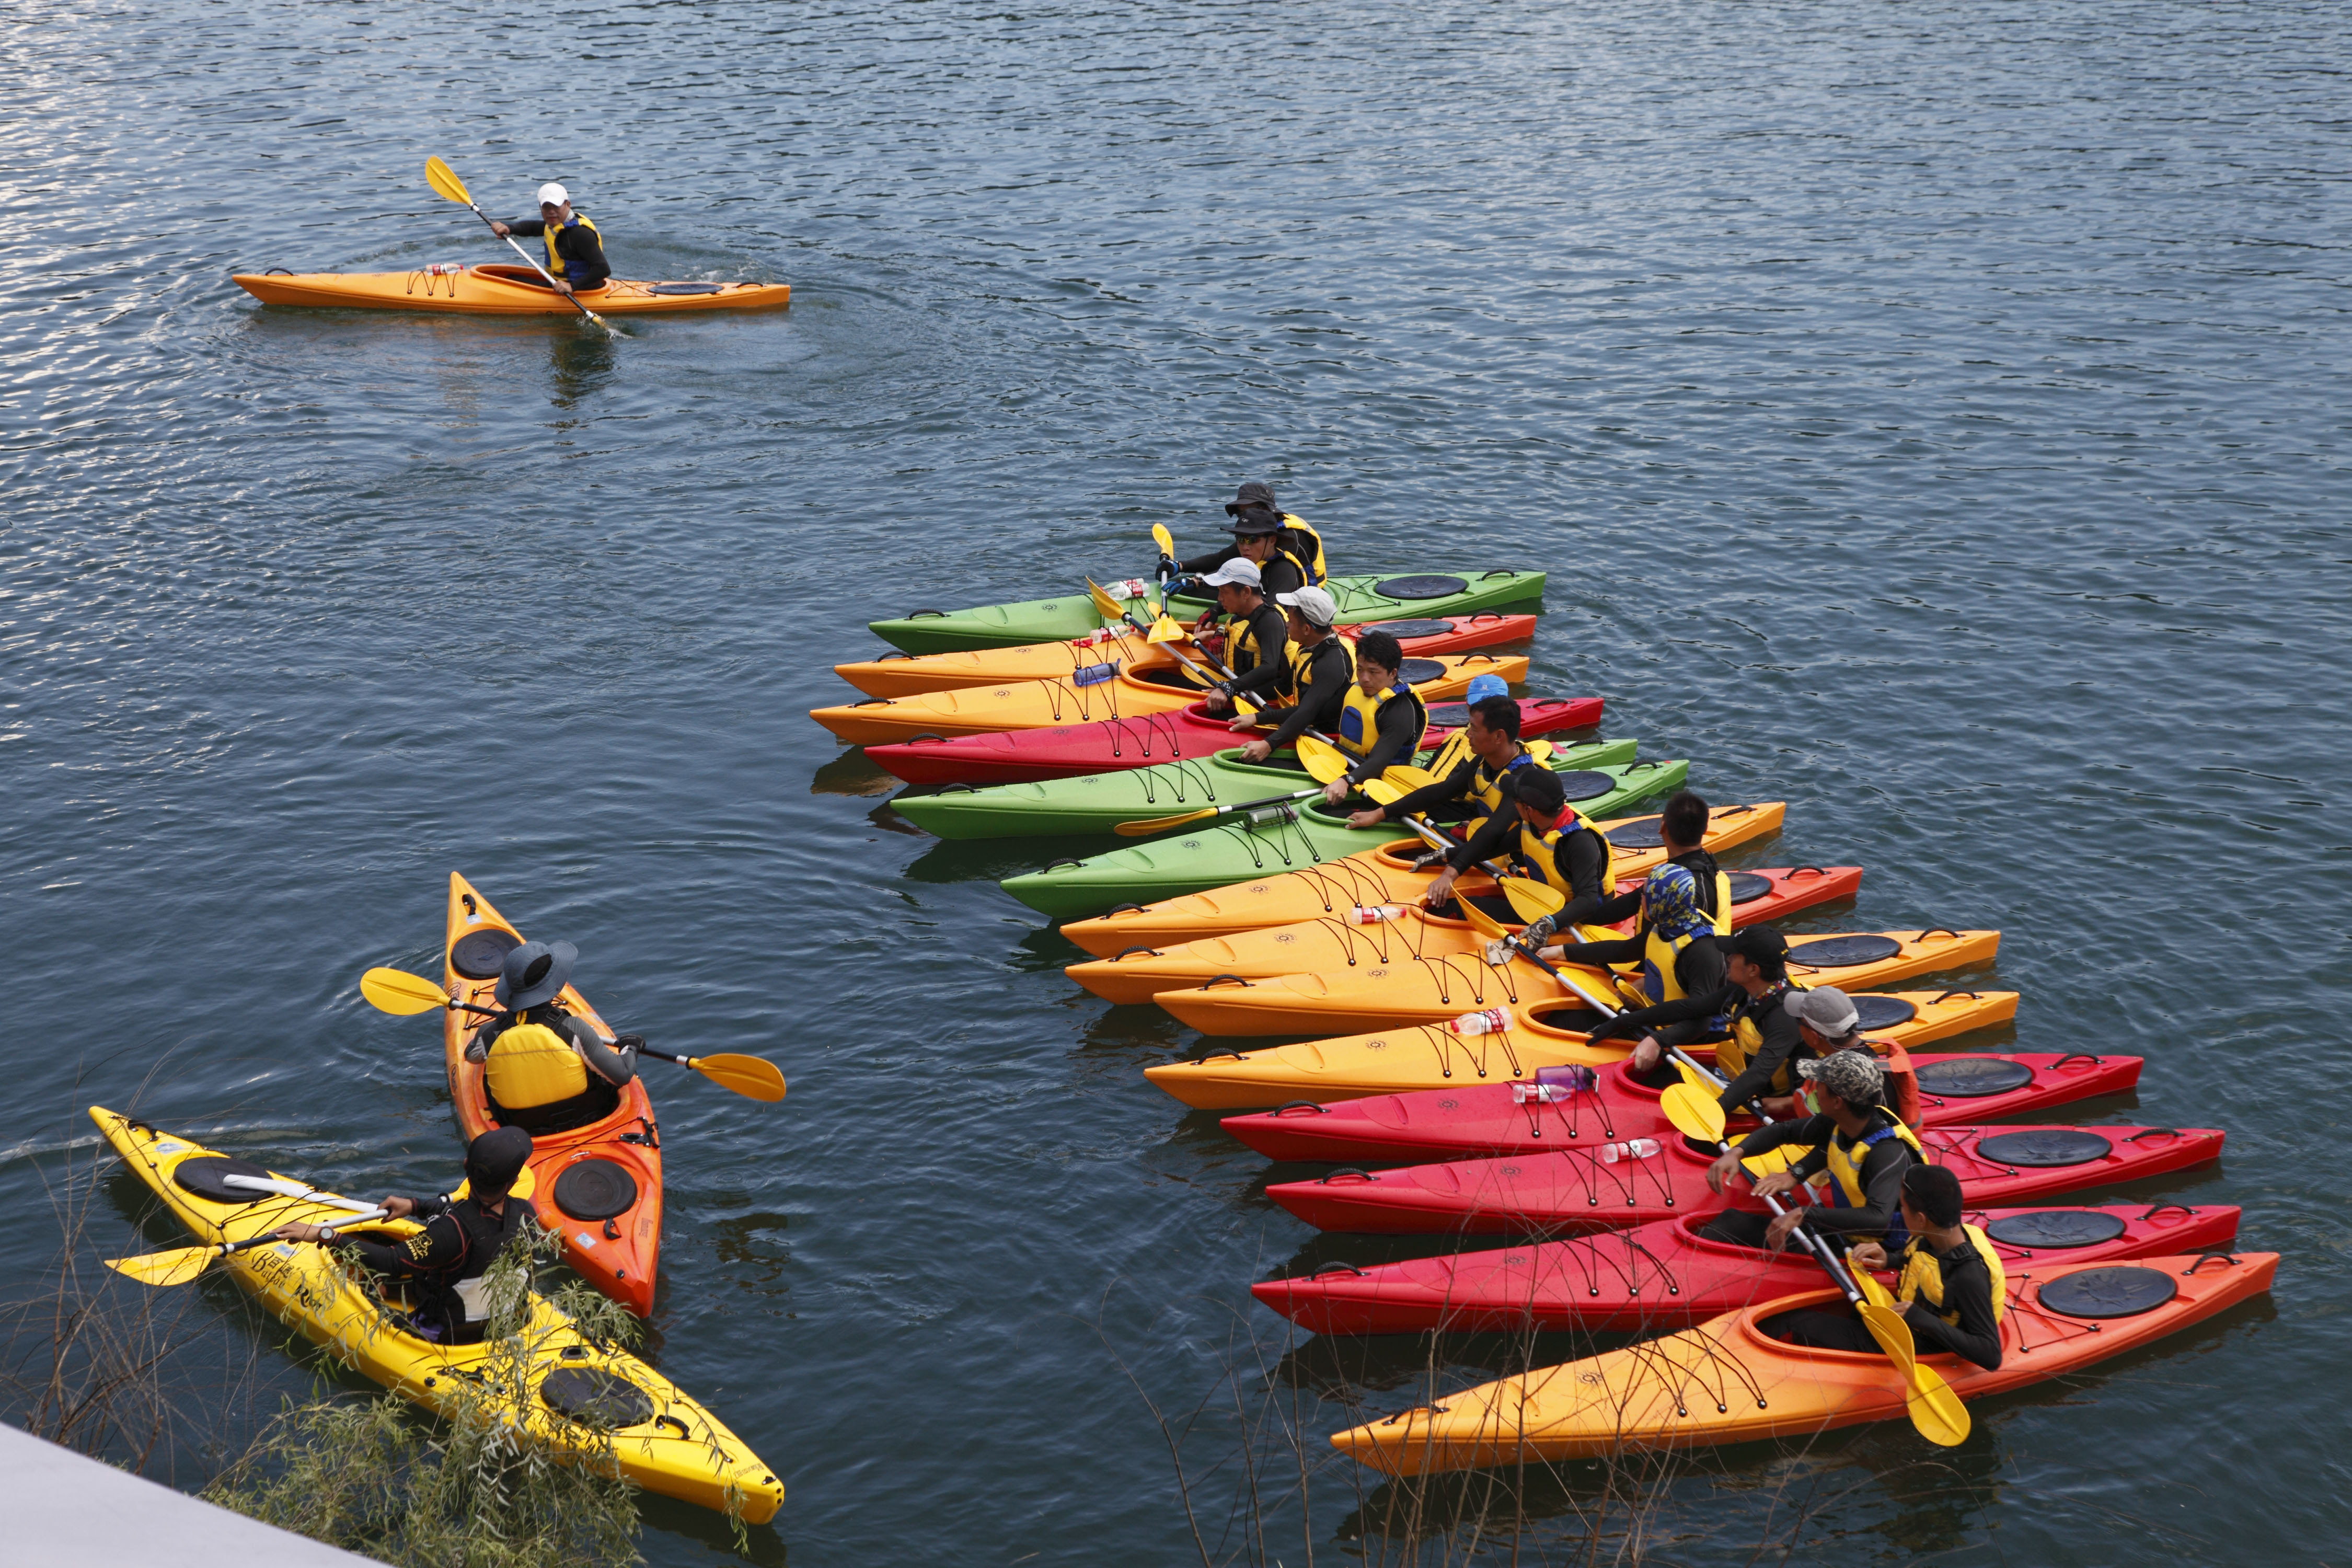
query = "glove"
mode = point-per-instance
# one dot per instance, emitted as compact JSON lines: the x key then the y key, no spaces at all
{"x":1167,"y":567}
{"x":1428,"y":857}
{"x":1538,"y":934}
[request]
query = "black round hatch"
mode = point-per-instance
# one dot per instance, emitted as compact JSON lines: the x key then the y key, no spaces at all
{"x":2044,"y":1148}
{"x":1586,"y":784}
{"x":2120,"y":1290}
{"x":1419,"y":671}
{"x":1747,"y":886}
{"x":1403,"y":629}
{"x":1844,"y":952}
{"x":1642,"y":833}
{"x":1448,"y":715}
{"x":202,"y":1176}
{"x":686,"y":289}
{"x":595,"y":1189}
{"x":2057,"y":1227}
{"x":1421,"y":585}
{"x":595,"y":1398}
{"x":1882,"y":1012}
{"x":481,"y":954}
{"x":1973,"y":1078}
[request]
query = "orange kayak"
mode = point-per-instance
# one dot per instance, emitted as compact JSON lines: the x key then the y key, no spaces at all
{"x":599,"y":1187}
{"x":1369,"y":879}
{"x":1729,"y":1381}
{"x":1543,"y":1032}
{"x":1394,"y":934}
{"x":1122,"y":694}
{"x":1432,"y":991}
{"x":495,"y":289}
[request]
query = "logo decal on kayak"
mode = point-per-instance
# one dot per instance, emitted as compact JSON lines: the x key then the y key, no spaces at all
{"x":1376,"y":1045}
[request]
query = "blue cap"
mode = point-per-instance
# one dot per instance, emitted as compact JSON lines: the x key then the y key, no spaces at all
{"x":1485,"y":686}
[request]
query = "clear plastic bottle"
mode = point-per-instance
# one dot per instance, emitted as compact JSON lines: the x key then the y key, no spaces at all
{"x":1491,"y":1021}
{"x":1127,"y":588}
{"x":1373,"y":914}
{"x":1634,"y":1149}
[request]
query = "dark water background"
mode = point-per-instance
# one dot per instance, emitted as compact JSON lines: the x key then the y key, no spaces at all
{"x":1930,"y":415}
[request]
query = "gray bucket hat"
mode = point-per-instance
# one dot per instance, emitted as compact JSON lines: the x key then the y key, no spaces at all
{"x":534,"y":973}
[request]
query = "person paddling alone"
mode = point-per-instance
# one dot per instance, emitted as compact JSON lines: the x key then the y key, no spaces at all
{"x":438,"y":1266}
{"x":545,"y":1069}
{"x":1953,"y":1292}
{"x":575,"y":251}
{"x":1854,"y":1152}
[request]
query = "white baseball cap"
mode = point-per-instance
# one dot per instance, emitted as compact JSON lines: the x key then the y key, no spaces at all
{"x":1240,"y":572}
{"x":1312,"y":602}
{"x":551,"y":194}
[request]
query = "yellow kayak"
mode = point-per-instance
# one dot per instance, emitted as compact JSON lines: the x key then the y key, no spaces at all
{"x":1119,"y":694}
{"x":494,"y":288}
{"x":673,"y":1446}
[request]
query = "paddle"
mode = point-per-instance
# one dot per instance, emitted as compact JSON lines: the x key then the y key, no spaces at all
{"x":1323,"y":761}
{"x":1530,"y":899}
{"x":1165,"y":628}
{"x":401,"y":993}
{"x":182,"y":1264}
{"x":445,"y":184}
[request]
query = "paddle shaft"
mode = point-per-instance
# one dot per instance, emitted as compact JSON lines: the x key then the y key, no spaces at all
{"x":535,"y":266}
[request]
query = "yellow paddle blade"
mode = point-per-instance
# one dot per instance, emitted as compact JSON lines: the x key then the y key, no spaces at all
{"x":1165,"y":629}
{"x":753,"y":1078}
{"x":1935,"y":1410}
{"x":1408,"y":777}
{"x":1774,"y":1159}
{"x":1159,"y":537}
{"x":399,"y":993}
{"x":445,"y":183}
{"x":1323,"y":761}
{"x":1381,"y":791}
{"x":1151,"y":825}
{"x":1485,"y":924}
{"x":177,"y":1266}
{"x":1539,"y":750}
{"x":1104,"y":602}
{"x":1875,"y":1293}
{"x":1532,"y":900}
{"x":1692,"y":1111}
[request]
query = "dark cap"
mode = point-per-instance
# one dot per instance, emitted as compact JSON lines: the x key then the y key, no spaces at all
{"x":1757,"y":944}
{"x":1252,"y":495}
{"x":494,"y":1160}
{"x":1537,"y":787}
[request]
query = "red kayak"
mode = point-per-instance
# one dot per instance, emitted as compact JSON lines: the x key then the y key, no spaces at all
{"x":1573,"y":1190}
{"x":1663,"y":1276}
{"x":1073,"y":751}
{"x":1497,"y":1119}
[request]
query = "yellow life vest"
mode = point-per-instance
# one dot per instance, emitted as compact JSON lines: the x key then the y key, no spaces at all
{"x":1659,"y":981}
{"x":1486,"y":783}
{"x":532,"y":1065}
{"x":1538,"y":854}
{"x":1923,"y":1277}
{"x":1300,"y":542}
{"x":1839,"y":1184}
{"x":1302,"y":662}
{"x":1359,"y":727}
{"x":1732,"y":1057}
{"x":1242,"y":651}
{"x":555,"y":265}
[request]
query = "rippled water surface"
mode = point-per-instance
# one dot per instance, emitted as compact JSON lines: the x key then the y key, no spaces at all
{"x":1931,"y":415}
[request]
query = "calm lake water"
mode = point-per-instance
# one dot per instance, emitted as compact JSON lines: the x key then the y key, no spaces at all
{"x":1931,"y":415}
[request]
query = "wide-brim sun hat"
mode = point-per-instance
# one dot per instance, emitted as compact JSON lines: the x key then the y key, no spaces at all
{"x":534,"y":973}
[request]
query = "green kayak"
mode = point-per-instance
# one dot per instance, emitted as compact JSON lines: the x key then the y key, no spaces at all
{"x":1218,"y":853}
{"x":1098,"y":803}
{"x":1410,"y":595}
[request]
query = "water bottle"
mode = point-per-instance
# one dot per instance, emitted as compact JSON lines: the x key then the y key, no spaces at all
{"x":1635,"y":1148}
{"x":1373,"y":914}
{"x":1100,"y":635}
{"x":1094,"y":674}
{"x":1127,"y":588}
{"x":1490,"y":1021}
{"x":443,"y":268}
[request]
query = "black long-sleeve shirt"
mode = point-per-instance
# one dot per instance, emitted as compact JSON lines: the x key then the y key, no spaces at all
{"x":1271,"y":631}
{"x":1329,"y":674}
{"x":582,"y":252}
{"x":429,"y":1250}
{"x":1277,"y":574}
{"x":1698,"y":967}
{"x":1780,"y":1037}
{"x":1968,"y":1290}
{"x":1882,"y":1169}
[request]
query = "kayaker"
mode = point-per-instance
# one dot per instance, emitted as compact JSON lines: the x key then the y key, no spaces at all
{"x":1382,"y":720}
{"x":1315,"y":678}
{"x":1286,"y":550}
{"x":575,"y":251}
{"x":436,"y":1266}
{"x":1952,"y":1293}
{"x":1682,"y":903}
{"x":1767,"y":1024}
{"x":1855,"y":1154}
{"x":1256,"y":633}
{"x":545,"y":1069}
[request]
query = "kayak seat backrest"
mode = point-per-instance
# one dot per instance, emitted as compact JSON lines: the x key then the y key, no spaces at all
{"x":482,"y":955}
{"x":201,"y":1175}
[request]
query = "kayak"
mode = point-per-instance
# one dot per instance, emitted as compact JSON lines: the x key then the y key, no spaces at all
{"x":1434,"y":990}
{"x":599,"y":1187}
{"x":1100,"y":803}
{"x":1217,"y":854}
{"x":1665,"y":1275}
{"x":1122,"y":694}
{"x":1541,"y":1033}
{"x":1368,"y":596}
{"x":910,"y":675}
{"x":1572,"y":1190}
{"x":1483,"y":1121}
{"x":1106,"y":745}
{"x":664,"y":1439}
{"x":1384,"y":874}
{"x":498,"y":289}
{"x":2062,"y":1317}
{"x":1368,"y":937}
